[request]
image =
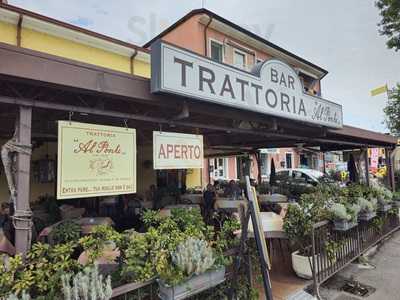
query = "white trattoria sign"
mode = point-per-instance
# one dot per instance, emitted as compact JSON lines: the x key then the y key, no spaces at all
{"x":177,"y":150}
{"x":272,"y":88}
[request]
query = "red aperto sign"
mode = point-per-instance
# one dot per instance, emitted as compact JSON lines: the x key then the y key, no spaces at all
{"x":173,"y":150}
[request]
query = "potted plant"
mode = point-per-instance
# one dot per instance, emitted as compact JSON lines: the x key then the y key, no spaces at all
{"x":344,"y":216}
{"x":64,"y":232}
{"x":298,"y":224}
{"x":367,"y":208}
{"x":384,"y":197}
{"x":396,"y":199}
{"x":193,"y":263}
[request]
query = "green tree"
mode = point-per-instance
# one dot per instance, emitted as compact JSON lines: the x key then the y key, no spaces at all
{"x":392,"y":111}
{"x":390,"y":23}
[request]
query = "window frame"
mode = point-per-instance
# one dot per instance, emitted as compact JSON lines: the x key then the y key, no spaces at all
{"x":210,"y":41}
{"x":218,"y":168}
{"x":237,"y":51}
{"x":291,"y":160}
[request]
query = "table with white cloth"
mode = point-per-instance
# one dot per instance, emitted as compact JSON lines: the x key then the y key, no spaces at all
{"x":166,"y":211}
{"x":228,"y":203}
{"x":272,"y":225}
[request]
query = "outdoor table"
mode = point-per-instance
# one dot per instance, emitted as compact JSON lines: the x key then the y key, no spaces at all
{"x":228,"y":203}
{"x":166,"y":211}
{"x":87,"y":224}
{"x":272,"y":225}
{"x":193,"y":198}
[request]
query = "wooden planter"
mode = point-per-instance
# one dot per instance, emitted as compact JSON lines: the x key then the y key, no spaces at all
{"x":343,"y":225}
{"x":366,"y":216}
{"x":192,"y":286}
{"x":396,"y":204}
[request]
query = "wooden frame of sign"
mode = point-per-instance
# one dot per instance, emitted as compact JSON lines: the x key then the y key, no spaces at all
{"x":259,"y":237}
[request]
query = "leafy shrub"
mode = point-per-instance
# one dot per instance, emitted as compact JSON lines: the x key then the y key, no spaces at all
{"x":95,"y":243}
{"x":345,"y":212}
{"x":396,"y":196}
{"x":151,"y":253}
{"x":139,"y":256}
{"x":367,"y":206}
{"x":67,"y":231}
{"x":384,"y":196}
{"x":40,"y":275}
{"x":298,"y":224}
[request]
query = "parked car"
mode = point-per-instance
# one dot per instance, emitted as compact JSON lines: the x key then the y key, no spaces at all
{"x":294,"y":182}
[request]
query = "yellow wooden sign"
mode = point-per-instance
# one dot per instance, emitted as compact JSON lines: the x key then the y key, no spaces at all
{"x":259,"y":227}
{"x":95,"y":160}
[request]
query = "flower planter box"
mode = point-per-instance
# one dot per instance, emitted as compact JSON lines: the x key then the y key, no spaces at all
{"x":396,"y":204}
{"x":192,"y":286}
{"x":343,"y":225}
{"x":384,"y":208}
{"x":366,"y":216}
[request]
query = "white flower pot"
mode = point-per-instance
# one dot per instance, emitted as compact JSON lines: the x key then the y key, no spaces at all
{"x":301,"y":265}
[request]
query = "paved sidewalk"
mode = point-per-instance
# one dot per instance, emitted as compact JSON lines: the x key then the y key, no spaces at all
{"x":385,"y":277}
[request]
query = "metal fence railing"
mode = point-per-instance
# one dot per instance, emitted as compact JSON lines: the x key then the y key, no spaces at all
{"x":332,"y":250}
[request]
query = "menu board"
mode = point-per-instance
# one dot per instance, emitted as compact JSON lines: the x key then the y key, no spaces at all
{"x":95,"y":160}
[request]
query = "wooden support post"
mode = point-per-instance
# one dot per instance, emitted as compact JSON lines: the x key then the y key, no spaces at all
{"x":22,"y":222}
{"x":324,"y":162}
{"x":390,"y":168}
{"x":366,"y":163}
{"x":258,"y":159}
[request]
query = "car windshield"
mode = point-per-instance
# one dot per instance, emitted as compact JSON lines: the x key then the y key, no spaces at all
{"x":321,"y":177}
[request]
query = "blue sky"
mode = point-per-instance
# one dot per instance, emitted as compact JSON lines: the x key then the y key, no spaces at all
{"x":341,"y":38}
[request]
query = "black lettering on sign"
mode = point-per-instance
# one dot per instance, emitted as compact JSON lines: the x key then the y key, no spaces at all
{"x":274,"y":75}
{"x":285,"y":102}
{"x":257,"y":88}
{"x":291,"y":82}
{"x":227,"y":87}
{"x":202,"y":79}
{"x":283,"y":80}
{"x":268,"y":98}
{"x":302,"y":108}
{"x":184,"y":64}
{"x":242,"y":83}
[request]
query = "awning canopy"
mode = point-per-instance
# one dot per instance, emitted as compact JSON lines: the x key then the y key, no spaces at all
{"x":96,"y":94}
